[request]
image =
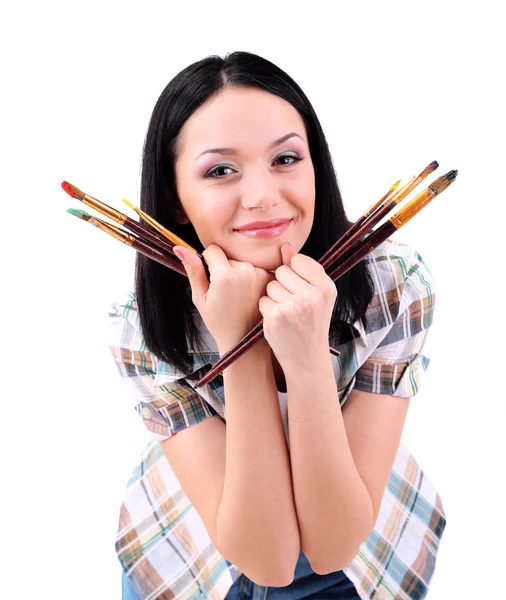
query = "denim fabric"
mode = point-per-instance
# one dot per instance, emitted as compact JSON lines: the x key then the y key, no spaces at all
{"x":306,"y":585}
{"x":128,"y":591}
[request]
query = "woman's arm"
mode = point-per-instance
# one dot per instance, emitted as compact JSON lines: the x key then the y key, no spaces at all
{"x":333,"y":504}
{"x":341,"y":461}
{"x":257,"y":522}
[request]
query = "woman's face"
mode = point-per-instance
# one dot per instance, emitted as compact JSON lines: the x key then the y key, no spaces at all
{"x":233,"y":170}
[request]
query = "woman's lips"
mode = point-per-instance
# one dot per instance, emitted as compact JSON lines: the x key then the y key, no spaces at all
{"x":266,"y":232}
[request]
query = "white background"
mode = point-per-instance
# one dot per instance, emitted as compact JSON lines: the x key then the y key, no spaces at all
{"x":395,"y":85}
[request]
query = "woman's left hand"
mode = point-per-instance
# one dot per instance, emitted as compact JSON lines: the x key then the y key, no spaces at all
{"x":297,"y":310}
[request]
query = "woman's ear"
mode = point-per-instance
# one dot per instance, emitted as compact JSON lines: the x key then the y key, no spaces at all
{"x":180,"y":216}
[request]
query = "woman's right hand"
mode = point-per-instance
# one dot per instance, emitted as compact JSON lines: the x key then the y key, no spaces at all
{"x":228,"y":304}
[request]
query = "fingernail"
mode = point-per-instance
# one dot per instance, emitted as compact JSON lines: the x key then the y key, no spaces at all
{"x":179,"y":253}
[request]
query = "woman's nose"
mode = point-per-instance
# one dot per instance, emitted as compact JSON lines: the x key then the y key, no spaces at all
{"x":260,"y":190}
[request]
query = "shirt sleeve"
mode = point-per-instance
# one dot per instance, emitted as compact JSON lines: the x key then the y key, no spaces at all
{"x":397,"y":366}
{"x":164,"y":409}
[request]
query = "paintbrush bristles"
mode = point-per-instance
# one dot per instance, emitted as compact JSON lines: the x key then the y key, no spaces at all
{"x":128,"y":203}
{"x":440,"y":184}
{"x":73,"y":191}
{"x":429,"y":169}
{"x":176,"y":240}
{"x":81,"y":214}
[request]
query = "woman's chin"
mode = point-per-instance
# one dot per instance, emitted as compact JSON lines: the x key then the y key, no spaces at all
{"x":270,"y":265}
{"x":269,"y":262}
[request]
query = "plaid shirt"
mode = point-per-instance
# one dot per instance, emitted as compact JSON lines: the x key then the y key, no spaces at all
{"x":162,"y":543}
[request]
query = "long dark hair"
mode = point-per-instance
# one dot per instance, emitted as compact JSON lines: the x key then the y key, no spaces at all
{"x":165,"y":308}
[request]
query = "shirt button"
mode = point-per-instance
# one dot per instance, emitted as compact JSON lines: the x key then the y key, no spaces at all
{"x":146,"y":413}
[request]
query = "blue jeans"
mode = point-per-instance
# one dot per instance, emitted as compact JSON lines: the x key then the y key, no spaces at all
{"x":307,"y":585}
{"x":128,"y":591}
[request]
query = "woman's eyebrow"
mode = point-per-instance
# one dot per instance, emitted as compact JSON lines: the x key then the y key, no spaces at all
{"x":233,"y":151}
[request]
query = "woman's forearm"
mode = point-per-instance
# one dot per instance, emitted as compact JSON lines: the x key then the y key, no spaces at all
{"x":334,"y":509}
{"x":257,"y":522}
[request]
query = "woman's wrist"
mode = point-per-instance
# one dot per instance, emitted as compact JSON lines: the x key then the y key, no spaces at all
{"x":261,"y":348}
{"x":307,"y":363}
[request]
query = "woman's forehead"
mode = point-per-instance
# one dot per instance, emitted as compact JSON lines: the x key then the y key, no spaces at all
{"x":240,"y":116}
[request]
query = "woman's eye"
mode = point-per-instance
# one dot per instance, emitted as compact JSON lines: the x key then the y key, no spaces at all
{"x":294,"y":157}
{"x":212,"y":172}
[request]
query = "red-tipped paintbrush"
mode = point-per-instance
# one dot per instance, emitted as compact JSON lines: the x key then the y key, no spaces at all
{"x":128,"y":238}
{"x":140,"y":244}
{"x":150,"y":235}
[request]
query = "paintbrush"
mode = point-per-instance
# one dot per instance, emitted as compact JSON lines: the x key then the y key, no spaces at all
{"x":365,"y":246}
{"x":349,"y":232}
{"x":395,"y":222}
{"x":131,"y":240}
{"x":141,"y":246}
{"x":142,"y":231}
{"x":177,"y":241}
{"x":371,"y":217}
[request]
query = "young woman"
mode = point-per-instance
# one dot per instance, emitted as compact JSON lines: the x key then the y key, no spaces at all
{"x":285,"y":477}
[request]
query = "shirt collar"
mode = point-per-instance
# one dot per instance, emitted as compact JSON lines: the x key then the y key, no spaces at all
{"x":360,"y":329}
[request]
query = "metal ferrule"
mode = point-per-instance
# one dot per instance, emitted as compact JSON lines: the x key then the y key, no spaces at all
{"x":163,"y":230}
{"x":412,"y":208}
{"x":108,"y":211}
{"x":112,"y":231}
{"x":403,"y":192}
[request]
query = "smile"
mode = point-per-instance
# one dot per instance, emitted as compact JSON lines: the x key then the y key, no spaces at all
{"x":266,"y":232}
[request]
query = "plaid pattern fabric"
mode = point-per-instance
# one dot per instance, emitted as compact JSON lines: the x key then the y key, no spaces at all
{"x":162,"y":542}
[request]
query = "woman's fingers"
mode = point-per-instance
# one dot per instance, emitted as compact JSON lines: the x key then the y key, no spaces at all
{"x":287,"y":252}
{"x":217,"y":261}
{"x":196,"y":273}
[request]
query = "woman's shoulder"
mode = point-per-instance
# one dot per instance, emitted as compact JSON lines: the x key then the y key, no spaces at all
{"x":402,"y":282}
{"x":125,"y":328}
{"x":392,"y":263}
{"x":123,"y":324}
{"x":127,"y":308}
{"x":394,"y":250}
{"x":124,"y":306}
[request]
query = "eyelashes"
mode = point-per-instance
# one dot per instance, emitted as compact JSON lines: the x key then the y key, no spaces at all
{"x":212,"y":172}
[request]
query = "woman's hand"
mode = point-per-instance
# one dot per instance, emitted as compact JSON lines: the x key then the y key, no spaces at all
{"x":297,"y":310}
{"x":228,"y":304}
